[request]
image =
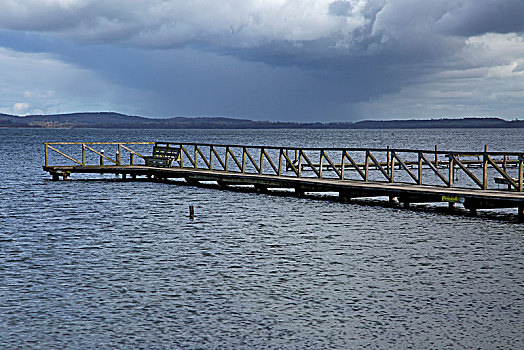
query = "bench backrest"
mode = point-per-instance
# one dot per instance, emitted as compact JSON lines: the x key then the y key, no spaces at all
{"x":165,"y":150}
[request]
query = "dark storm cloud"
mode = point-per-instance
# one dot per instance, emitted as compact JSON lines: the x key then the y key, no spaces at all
{"x":480,"y":17}
{"x":282,"y":58}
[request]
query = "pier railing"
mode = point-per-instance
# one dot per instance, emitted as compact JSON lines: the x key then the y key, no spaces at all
{"x":91,"y":153}
{"x":484,"y":169}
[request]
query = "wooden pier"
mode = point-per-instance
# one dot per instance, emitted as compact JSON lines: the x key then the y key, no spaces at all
{"x":475,"y":180}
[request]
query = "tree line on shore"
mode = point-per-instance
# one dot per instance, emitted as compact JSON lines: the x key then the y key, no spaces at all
{"x":117,"y":120}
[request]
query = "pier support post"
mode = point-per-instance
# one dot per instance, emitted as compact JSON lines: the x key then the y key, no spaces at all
{"x":299,"y":192}
{"x":521,"y":213}
{"x":192,"y":182}
{"x":344,"y":196}
{"x":260,"y":189}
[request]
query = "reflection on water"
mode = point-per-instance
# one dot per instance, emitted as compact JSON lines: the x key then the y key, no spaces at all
{"x":112,"y":264}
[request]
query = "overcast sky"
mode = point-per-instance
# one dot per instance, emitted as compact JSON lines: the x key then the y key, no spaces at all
{"x":290,"y":60}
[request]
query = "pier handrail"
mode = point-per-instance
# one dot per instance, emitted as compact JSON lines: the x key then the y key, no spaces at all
{"x":415,"y":165}
{"x":87,"y":146}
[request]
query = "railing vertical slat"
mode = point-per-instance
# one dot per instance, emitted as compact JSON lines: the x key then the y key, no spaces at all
{"x":366,"y":167}
{"x":180,"y":156}
{"x":388,"y":165}
{"x":321,"y":163}
{"x":227,"y":158}
{"x":343,"y":164}
{"x":280,"y":156}
{"x":211,"y":148}
{"x":243,"y":160}
{"x":196,"y":156}
{"x":521,"y":172}
{"x":392,"y":168}
{"x":485,"y":171}
{"x":451,"y":171}
{"x":299,"y":162}
{"x":261,"y":160}
{"x":420,"y":168}
{"x":119,"y":158}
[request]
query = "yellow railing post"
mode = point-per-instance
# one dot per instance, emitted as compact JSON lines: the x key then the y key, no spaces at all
{"x":83,"y":155}
{"x":196,"y":155}
{"x":366,"y":167}
{"x":227,"y":159}
{"x":388,"y":163}
{"x":451,"y":171}
{"x":243,"y":160}
{"x":392,"y":167}
{"x":45,"y":144}
{"x":485,"y":171}
{"x":280,"y":156}
{"x":119,"y":155}
{"x":261,"y":160}
{"x":521,"y":172}
{"x":320,"y":163}
{"x":299,"y":162}
{"x":211,"y":148}
{"x":420,"y":168}
{"x":181,"y":156}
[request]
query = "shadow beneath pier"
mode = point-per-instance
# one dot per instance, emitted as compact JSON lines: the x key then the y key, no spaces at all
{"x":458,"y":211}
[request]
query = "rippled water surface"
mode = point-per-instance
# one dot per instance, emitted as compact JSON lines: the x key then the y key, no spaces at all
{"x":103,"y":264}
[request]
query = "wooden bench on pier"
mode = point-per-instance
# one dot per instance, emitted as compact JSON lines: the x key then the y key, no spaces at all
{"x":163,"y":155}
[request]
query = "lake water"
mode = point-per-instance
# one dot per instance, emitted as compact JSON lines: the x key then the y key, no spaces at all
{"x":120,"y":265}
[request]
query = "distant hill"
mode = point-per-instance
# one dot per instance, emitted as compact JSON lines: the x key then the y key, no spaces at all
{"x":74,"y":120}
{"x":117,"y":120}
{"x":439,"y":123}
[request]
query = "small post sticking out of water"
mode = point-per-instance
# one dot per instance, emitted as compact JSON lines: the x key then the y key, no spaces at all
{"x":102,"y":157}
{"x":191,"y":212}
